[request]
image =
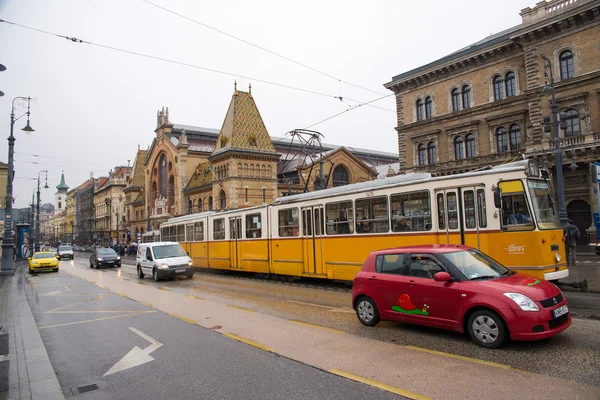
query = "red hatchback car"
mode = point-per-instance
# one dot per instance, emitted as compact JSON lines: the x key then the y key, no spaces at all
{"x":458,"y":288}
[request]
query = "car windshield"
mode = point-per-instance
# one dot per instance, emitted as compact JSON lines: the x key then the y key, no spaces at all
{"x":543,"y":204}
{"x":167,"y":251}
{"x":106,"y":252}
{"x":475,"y":265}
{"x":65,"y":248}
{"x":43,"y":255}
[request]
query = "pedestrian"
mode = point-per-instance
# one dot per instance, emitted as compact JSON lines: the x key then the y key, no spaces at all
{"x":572,"y":235}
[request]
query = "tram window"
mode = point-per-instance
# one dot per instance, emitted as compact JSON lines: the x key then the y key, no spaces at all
{"x":288,"y":222}
{"x":198,"y":231}
{"x":165,"y":233}
{"x":172,"y":233}
{"x":414,"y":208}
{"x":469,"y":198}
{"x":219,"y":229}
{"x":441,"y":211}
{"x":396,"y":264}
{"x":318,"y":221}
{"x":180,"y":233}
{"x":515,"y":215}
{"x":481,"y":208}
{"x":253,"y":226}
{"x":340,"y":217}
{"x":189,"y":232}
{"x":452,"y":210}
{"x":372,"y":215}
{"x":307,"y":222}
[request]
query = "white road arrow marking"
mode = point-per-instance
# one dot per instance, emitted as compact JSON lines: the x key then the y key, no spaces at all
{"x":136,"y":356}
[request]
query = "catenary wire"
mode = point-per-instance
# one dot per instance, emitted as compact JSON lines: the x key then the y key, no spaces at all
{"x":349,"y":109}
{"x":76,"y":40}
{"x":261,"y":48}
{"x":58,"y":158}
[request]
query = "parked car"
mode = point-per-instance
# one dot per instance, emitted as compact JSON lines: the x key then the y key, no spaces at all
{"x":104,"y":256}
{"x":64,"y":252}
{"x":43,"y":261}
{"x":163,"y":260}
{"x":457,"y":288}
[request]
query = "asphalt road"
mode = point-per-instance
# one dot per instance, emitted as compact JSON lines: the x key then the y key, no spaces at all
{"x":104,"y":346}
{"x":573,"y":354}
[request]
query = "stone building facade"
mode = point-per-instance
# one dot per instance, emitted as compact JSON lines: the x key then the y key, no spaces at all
{"x":484,"y":104}
{"x":135,"y":198}
{"x":85,"y":222}
{"x":109,"y":206}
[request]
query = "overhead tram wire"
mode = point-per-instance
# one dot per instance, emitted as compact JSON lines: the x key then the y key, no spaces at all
{"x":58,"y":158}
{"x":349,"y":109}
{"x":102,"y":171}
{"x":262,"y":48}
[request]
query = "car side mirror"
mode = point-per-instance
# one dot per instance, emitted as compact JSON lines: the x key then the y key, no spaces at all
{"x":442,"y":277}
{"x":498,"y":198}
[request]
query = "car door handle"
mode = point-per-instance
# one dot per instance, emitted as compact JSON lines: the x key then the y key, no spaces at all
{"x":373,"y":277}
{"x":411,"y":283}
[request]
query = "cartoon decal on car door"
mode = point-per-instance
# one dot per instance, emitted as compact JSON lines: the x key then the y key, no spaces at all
{"x":406,"y":306}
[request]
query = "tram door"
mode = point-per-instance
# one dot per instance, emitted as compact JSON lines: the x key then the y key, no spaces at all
{"x":189,"y":238}
{"x":312,"y":240}
{"x":474,"y":211}
{"x":449,"y":212}
{"x":235,"y":236}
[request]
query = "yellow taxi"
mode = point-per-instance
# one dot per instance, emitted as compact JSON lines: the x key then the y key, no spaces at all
{"x":43,"y":261}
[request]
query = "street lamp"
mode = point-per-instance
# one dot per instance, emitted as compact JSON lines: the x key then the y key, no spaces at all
{"x":7,"y":242}
{"x":37,"y":222}
{"x":562,"y":213}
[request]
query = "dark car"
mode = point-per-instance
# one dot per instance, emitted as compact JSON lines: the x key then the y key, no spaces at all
{"x":64,"y":252}
{"x":104,"y":256}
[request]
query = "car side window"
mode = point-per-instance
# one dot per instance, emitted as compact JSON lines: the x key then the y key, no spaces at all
{"x":424,"y":266}
{"x":395,"y":264}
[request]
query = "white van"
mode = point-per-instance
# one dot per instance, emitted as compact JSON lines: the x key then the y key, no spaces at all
{"x":163,"y":260}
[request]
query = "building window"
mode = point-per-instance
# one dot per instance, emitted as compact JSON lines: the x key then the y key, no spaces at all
{"x":163,"y":176}
{"x":171,"y":201}
{"x":455,"y":100}
{"x":200,"y":209}
{"x":428,"y":107}
{"x":419,"y":110}
{"x":340,"y":176}
{"x":515,"y":137}
{"x":511,"y":84}
{"x":222,"y":200}
{"x":458,"y":148}
{"x":210,"y":203}
{"x":431,"y":152}
{"x":567,"y":69}
{"x":572,"y":122}
{"x":498,"y":88}
{"x":264,"y":196}
{"x":470,"y":145}
{"x":501,"y":140}
{"x":421,"y":154}
{"x":466,"y":96}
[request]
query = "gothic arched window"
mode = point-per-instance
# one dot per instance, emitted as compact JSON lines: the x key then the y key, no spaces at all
{"x":421,"y":154}
{"x":498,"y":88}
{"x":162,"y":167}
{"x":210,"y":203}
{"x":340,"y":176}
{"x":567,"y":68}
{"x":470,"y":145}
{"x":466,"y":96}
{"x":200,"y":209}
{"x":428,"y":107}
{"x":511,"y":84}
{"x":171,"y":199}
{"x":222,"y":200}
{"x":501,"y":140}
{"x":455,"y":100}
{"x":419,"y":106}
{"x":515,"y":137}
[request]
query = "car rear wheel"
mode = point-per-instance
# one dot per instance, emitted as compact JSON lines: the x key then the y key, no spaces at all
{"x":487,"y":329}
{"x":367,"y":312}
{"x":155,"y":275}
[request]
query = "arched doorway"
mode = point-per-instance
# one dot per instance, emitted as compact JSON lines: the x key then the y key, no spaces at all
{"x":580,"y":212}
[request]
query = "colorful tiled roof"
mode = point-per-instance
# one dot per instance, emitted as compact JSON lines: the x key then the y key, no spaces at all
{"x":202,"y":176}
{"x":138,"y":178}
{"x":243,"y":128}
{"x":140,"y":199}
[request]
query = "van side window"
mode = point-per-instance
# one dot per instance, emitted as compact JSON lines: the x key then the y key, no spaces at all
{"x":148,"y":253}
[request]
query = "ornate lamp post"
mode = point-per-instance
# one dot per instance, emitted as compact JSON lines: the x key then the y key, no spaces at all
{"x":37,"y":222}
{"x":562,"y":213}
{"x":7,"y":267}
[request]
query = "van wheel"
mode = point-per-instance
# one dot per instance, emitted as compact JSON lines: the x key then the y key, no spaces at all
{"x":140,"y":274}
{"x":367,"y":312}
{"x":155,"y":275}
{"x":486,"y":329}
{"x":91,"y":265}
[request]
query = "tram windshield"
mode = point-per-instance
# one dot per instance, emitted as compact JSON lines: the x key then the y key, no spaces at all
{"x":543,"y":204}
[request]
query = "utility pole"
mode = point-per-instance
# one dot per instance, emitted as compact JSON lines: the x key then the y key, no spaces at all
{"x":562,"y":213}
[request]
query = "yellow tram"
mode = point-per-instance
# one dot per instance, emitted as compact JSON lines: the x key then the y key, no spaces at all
{"x":506,"y":211}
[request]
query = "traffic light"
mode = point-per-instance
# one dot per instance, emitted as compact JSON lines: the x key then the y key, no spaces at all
{"x":547,"y":125}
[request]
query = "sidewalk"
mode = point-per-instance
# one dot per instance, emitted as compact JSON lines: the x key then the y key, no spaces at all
{"x":587,"y":267}
{"x":30,"y":374}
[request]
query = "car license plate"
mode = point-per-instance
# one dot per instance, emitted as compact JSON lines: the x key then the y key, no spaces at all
{"x":561,"y":311}
{"x":180,"y":270}
{"x":110,"y":262}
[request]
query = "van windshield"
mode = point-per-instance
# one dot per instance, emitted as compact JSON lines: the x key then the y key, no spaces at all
{"x":167,"y":251}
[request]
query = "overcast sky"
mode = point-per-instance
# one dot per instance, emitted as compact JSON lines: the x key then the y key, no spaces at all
{"x":94,"y":105}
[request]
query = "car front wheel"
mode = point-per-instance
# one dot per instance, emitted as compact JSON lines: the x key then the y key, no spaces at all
{"x":367,"y":312}
{"x":487,"y":329}
{"x":140,"y":274}
{"x":155,"y":275}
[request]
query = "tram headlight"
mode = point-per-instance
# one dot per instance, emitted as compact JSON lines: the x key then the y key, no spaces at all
{"x":557,"y":257}
{"x":523,"y":301}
